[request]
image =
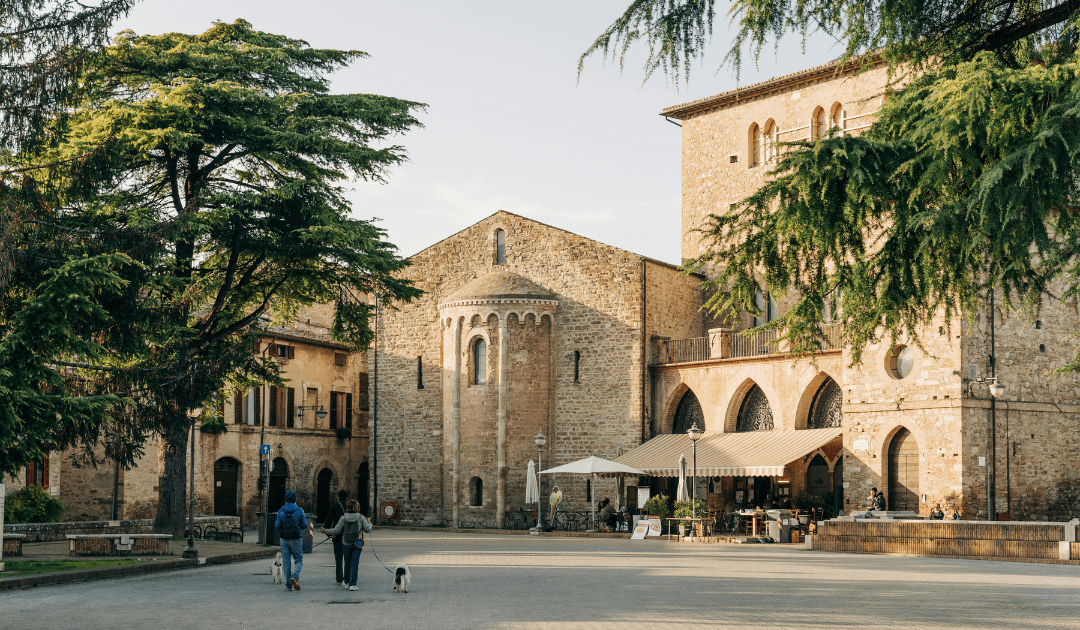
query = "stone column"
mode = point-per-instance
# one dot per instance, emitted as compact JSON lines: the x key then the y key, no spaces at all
{"x":455,"y":421}
{"x":500,"y":491}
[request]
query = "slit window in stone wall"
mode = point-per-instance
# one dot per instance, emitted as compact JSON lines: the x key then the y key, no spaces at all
{"x":687,"y":414}
{"x":577,"y":366}
{"x":825,"y":410}
{"x":755,"y":414}
{"x":480,"y":362}
{"x":476,"y":492}
{"x":500,"y":247}
{"x":419,"y":372}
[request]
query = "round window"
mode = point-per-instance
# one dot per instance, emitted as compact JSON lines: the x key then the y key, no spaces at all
{"x":900,"y":361}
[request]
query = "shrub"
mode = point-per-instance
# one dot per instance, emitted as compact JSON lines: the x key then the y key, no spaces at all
{"x":214,"y":426}
{"x":682,"y":510}
{"x":32,"y":505}
{"x":807,"y":501}
{"x":658,"y":506}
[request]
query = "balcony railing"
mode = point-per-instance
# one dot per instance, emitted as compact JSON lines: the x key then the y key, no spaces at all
{"x":728,"y":344}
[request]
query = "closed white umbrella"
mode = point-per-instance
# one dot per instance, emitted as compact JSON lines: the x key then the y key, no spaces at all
{"x":682,"y":495}
{"x":532,"y":489}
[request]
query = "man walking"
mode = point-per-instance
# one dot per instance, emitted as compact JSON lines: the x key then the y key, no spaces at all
{"x":291,"y":525}
{"x":337,"y":510}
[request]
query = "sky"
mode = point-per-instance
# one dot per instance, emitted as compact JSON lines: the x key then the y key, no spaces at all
{"x":508,"y":125}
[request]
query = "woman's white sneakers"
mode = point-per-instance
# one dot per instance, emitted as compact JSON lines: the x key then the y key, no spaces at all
{"x":353,"y":588}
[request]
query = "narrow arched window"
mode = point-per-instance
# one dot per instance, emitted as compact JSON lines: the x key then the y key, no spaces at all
{"x":838,"y":116}
{"x":755,"y":147}
{"x":476,"y":492}
{"x":771,"y":140}
{"x":820,"y":124}
{"x":500,"y":247}
{"x":577,"y":366}
{"x":419,"y":372}
{"x":480,"y":362}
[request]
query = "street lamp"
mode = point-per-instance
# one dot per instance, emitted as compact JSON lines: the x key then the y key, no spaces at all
{"x":318,"y":409}
{"x":695,"y":434}
{"x":191,"y":552}
{"x":997,"y":390}
{"x":540,"y":441}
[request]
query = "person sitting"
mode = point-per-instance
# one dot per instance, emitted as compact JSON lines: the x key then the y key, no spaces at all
{"x":937,"y":514}
{"x":880,"y":502}
{"x":785,"y":504}
{"x":956,"y":513}
{"x":607,"y":515}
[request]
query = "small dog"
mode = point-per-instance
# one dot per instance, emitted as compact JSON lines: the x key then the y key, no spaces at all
{"x":276,"y":571}
{"x":402,"y":578}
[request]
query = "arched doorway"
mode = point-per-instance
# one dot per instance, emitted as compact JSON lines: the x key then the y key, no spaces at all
{"x":687,"y":414}
{"x":363,"y":477}
{"x":226,"y":481}
{"x":278,"y":477}
{"x":904,"y":472}
{"x":825,"y":409}
{"x":755,"y":414}
{"x":322,"y":494}
{"x":817,"y":476}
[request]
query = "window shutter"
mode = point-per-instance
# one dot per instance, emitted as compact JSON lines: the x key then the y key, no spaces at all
{"x":348,"y":411}
{"x":45,"y":471}
{"x":339,"y":359}
{"x":290,"y":403}
{"x":30,"y":473}
{"x":221,"y":405}
{"x":257,"y":346}
{"x":273,"y":405}
{"x":333,"y":410}
{"x":258,"y":405}
{"x":364,"y":391}
{"x":272,"y":349}
{"x":238,"y":408}
{"x":292,"y":352}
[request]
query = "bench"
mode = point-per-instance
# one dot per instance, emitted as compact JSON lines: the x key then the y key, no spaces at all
{"x":13,"y":544}
{"x":118,"y":544}
{"x":213,"y":533}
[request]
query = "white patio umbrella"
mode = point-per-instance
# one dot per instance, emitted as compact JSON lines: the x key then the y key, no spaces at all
{"x":532,"y":489}
{"x":597,"y":467}
{"x":682,"y":495}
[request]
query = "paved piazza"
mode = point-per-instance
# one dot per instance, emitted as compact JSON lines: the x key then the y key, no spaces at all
{"x":499,"y":581}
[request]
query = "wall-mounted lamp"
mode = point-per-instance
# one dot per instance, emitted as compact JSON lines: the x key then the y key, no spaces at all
{"x":321,"y":413}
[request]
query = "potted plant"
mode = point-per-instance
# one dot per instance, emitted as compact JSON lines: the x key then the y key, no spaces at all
{"x":658,"y":506}
{"x":684,"y":509}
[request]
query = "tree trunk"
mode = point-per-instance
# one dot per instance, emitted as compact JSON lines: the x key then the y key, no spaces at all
{"x":172,"y":488}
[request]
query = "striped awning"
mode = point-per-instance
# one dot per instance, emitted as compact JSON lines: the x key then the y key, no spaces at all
{"x":750,"y":454}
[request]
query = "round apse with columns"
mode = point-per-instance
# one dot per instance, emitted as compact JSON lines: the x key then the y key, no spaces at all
{"x":498,"y":389}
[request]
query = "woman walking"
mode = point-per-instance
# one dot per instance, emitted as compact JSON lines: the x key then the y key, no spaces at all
{"x":350,"y":526}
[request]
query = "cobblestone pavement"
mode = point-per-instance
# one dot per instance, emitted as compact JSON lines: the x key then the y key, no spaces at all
{"x":495,"y":581}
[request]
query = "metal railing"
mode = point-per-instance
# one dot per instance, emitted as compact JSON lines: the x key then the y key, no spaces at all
{"x":683,"y":350}
{"x":736,"y":345}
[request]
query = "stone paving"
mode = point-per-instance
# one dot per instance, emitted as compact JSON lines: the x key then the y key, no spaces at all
{"x":496,"y":581}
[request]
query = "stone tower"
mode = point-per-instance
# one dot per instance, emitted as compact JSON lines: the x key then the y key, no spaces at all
{"x":498,"y":390}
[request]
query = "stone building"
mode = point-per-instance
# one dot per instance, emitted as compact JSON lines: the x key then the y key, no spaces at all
{"x":316,"y":427}
{"x":523,"y":328}
{"x":915,"y":420}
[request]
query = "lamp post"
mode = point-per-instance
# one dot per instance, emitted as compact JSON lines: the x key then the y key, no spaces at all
{"x":318,"y":409}
{"x":540,"y":441}
{"x":191,"y":552}
{"x":695,"y":434}
{"x":997,"y":390}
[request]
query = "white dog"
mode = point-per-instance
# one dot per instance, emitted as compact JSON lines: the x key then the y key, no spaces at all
{"x":402,"y":578}
{"x":276,"y":570}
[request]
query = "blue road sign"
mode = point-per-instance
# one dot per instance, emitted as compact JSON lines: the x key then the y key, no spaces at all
{"x":264,"y":449}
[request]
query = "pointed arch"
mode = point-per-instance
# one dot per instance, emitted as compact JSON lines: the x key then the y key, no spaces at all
{"x":688,"y":413}
{"x":816,"y":398}
{"x":819,"y":124}
{"x":749,"y":409}
{"x":754,"y":146}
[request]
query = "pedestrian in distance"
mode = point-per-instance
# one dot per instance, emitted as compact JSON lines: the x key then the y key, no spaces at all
{"x":337,"y":510}
{"x":290,"y":525}
{"x":351,"y":526}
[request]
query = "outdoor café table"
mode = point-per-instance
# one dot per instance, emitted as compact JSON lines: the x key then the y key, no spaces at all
{"x":751,"y":519}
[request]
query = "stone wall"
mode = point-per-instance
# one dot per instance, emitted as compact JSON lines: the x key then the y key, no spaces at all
{"x":599,"y":316}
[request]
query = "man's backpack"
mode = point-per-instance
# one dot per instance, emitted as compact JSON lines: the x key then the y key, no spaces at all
{"x":290,"y":525}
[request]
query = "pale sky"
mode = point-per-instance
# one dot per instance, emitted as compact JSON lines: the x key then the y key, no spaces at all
{"x":509,"y":126}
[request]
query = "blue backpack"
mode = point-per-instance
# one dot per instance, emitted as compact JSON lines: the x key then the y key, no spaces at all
{"x":290,"y":525}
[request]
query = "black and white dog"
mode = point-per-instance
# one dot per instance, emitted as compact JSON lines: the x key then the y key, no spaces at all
{"x":276,"y":570}
{"x":402,"y":578}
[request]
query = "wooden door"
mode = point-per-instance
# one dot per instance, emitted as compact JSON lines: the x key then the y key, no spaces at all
{"x":817,"y":477}
{"x":226,"y":472}
{"x":904,"y":472}
{"x":322,"y":495}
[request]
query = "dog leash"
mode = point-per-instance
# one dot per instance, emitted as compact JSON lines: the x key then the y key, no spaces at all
{"x":380,"y":559}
